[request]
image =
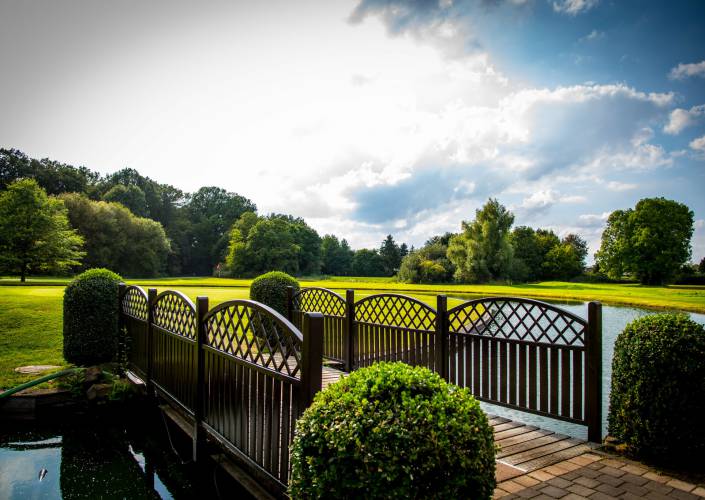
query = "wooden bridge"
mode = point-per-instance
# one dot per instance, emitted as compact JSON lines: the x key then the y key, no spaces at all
{"x":240,"y":374}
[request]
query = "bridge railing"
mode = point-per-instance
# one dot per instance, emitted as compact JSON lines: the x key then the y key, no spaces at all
{"x":520,"y":353}
{"x":241,"y":372}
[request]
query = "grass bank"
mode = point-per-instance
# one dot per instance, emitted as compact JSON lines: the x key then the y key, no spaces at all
{"x":31,"y":315}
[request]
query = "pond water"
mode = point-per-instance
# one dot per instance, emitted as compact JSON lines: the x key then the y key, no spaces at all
{"x":614,"y":319}
{"x":135,"y":459}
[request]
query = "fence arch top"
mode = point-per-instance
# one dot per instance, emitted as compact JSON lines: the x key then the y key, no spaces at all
{"x":322,"y":300}
{"x":175,"y":313}
{"x":134,"y":302}
{"x":255,"y":333}
{"x":391,"y":309}
{"x":516,"y":318}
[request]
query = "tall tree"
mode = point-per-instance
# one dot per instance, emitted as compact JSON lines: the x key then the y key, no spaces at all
{"x":117,"y":239}
{"x":130,"y":196}
{"x":651,"y":241}
{"x":429,"y":264}
{"x":34,"y":231}
{"x":482,"y":251}
{"x":391,"y":255}
{"x":367,"y":263}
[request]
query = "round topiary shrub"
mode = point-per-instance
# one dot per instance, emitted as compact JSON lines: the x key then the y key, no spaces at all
{"x":657,"y":402}
{"x":270,"y":289}
{"x":91,"y":318}
{"x":393,"y":431}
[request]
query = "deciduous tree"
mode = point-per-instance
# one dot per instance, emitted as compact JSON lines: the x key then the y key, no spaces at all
{"x":34,"y":231}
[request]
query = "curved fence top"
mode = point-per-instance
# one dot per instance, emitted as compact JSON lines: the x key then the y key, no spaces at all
{"x":255,"y":333}
{"x":391,"y":309}
{"x":176,"y":313}
{"x":134,"y":303}
{"x":322,"y":300}
{"x":516,"y":318}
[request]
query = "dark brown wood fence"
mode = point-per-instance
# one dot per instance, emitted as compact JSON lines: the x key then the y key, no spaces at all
{"x":519,"y":353}
{"x":241,"y":372}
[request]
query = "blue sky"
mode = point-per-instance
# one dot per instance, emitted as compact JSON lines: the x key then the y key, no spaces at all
{"x":374,"y":116}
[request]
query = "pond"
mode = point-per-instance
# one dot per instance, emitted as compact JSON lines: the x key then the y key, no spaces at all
{"x":614,"y":319}
{"x":136,"y":459}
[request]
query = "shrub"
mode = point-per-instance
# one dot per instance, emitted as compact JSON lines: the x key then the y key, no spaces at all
{"x":270,"y":289}
{"x":91,"y":317}
{"x":393,"y":431}
{"x":657,"y":402}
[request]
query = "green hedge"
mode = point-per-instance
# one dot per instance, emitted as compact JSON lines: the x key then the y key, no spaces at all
{"x":270,"y":289}
{"x":393,"y":431}
{"x":657,"y":402}
{"x":91,"y":318}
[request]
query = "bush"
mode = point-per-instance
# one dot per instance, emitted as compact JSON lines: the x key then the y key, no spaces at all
{"x":393,"y":431}
{"x":657,"y":403}
{"x":91,"y":318}
{"x":270,"y":289}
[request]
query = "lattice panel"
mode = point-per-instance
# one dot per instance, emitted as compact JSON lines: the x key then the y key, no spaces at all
{"x":395,"y":310}
{"x":319,"y":300}
{"x":255,"y":336}
{"x":518,"y":320}
{"x":134,"y":303}
{"x":174,"y":313}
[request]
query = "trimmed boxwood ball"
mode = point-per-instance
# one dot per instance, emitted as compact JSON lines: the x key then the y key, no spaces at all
{"x":657,"y":402}
{"x":270,"y":289}
{"x":393,"y":431}
{"x":91,"y":318}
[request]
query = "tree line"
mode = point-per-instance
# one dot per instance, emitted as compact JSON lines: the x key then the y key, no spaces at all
{"x":55,"y":217}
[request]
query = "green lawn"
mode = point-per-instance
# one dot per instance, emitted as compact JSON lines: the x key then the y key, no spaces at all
{"x":31,"y":315}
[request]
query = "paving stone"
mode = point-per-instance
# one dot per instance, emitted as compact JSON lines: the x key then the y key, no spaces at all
{"x":528,"y":493}
{"x":652,"y":495}
{"x":499,"y":493}
{"x":635,"y":469}
{"x":659,"y":478}
{"x":600,"y":496}
{"x":634,"y":489}
{"x":613,"y":463}
{"x":658,"y":487}
{"x":541,"y":475}
{"x":681,"y":485}
{"x":570,"y":476}
{"x":587,"y":482}
{"x":589,"y":473}
{"x":526,"y":480}
{"x":554,"y":492}
{"x":610,"y":480}
{"x":700,"y":491}
{"x":556,"y":470}
{"x":559,"y":482}
{"x":573,"y":496}
{"x":579,"y":489}
{"x":631,"y":496}
{"x":608,"y":469}
{"x":610,"y":490}
{"x":634,"y":479}
{"x":510,"y":486}
{"x":595,"y":466}
{"x":682,"y":495}
{"x":581,"y":460}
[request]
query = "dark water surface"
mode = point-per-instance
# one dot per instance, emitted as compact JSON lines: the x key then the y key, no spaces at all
{"x":97,"y":460}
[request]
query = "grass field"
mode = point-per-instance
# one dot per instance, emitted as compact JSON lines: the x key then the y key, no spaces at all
{"x":31,"y":315}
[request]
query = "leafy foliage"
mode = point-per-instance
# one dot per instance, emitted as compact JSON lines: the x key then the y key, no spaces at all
{"x":34,"y":231}
{"x":336,"y":256}
{"x":367,"y":262}
{"x":133,"y":246}
{"x":277,"y":242}
{"x":391,"y":256}
{"x":130,"y":196}
{"x":483,"y":252}
{"x":657,"y":400}
{"x":701,"y":266}
{"x":651,"y":241}
{"x":429,"y":264}
{"x":270,"y":289}
{"x":393,"y":431}
{"x":91,"y":318}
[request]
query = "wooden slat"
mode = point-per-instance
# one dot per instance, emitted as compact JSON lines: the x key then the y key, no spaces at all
{"x":509,"y":450}
{"x":542,"y":451}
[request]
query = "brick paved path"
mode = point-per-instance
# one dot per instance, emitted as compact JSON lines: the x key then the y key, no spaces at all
{"x":597,"y":476}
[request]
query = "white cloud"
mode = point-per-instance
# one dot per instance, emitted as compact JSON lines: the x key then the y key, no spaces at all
{"x":698,"y":144}
{"x":541,"y":201}
{"x":683,"y":71}
{"x":593,"y":36}
{"x":574,"y":7}
{"x":681,"y":118}
{"x":620,"y":186}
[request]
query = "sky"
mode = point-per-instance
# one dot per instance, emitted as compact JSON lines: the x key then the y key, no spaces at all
{"x":369,"y":117}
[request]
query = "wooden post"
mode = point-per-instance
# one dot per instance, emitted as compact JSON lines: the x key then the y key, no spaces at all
{"x":123,"y":362}
{"x":350,"y":330}
{"x":290,"y":303}
{"x":151,"y":300}
{"x":311,"y":357}
{"x":441,"y":338}
{"x":199,"y":432}
{"x":593,"y":355}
